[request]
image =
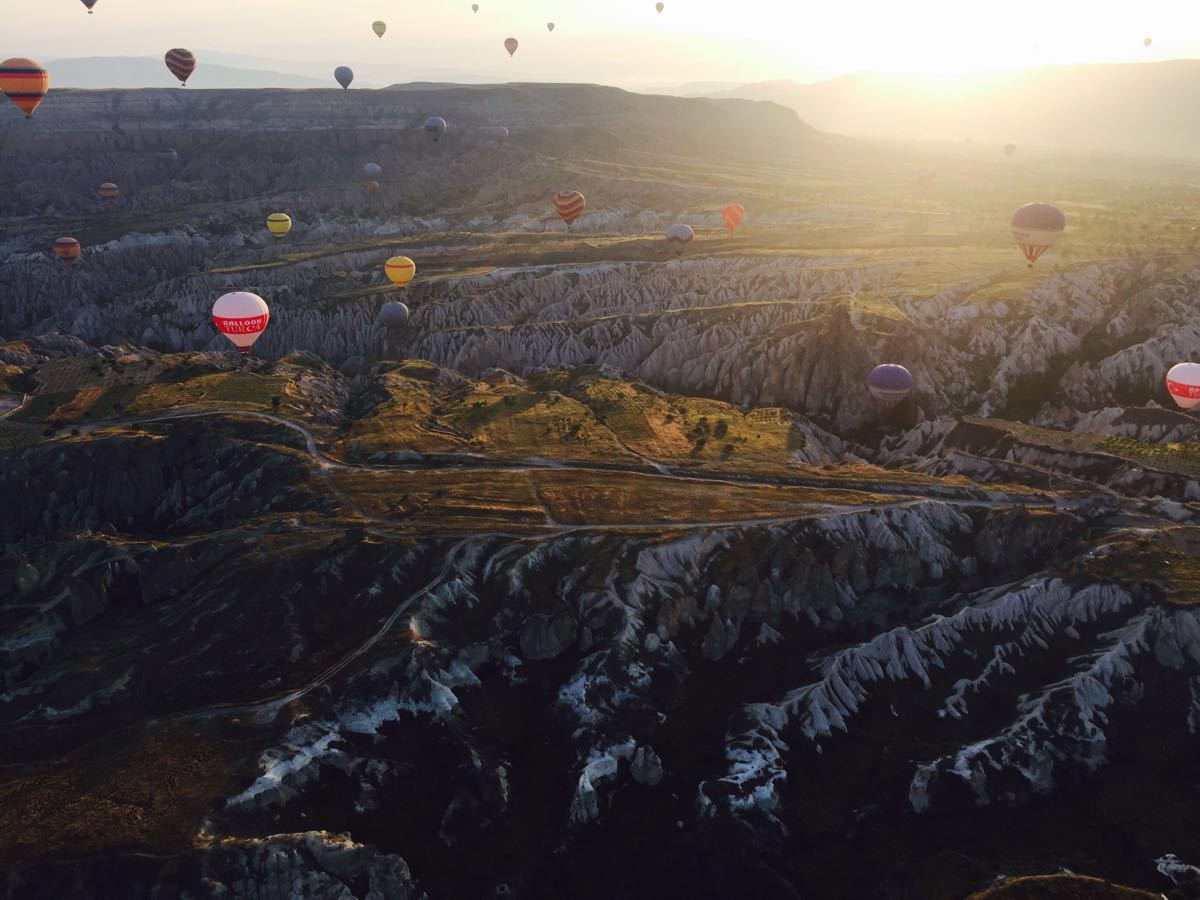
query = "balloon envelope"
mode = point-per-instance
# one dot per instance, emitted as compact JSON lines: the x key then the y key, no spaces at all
{"x":510,"y":44}
{"x":400,"y":270}
{"x":1037,"y":227}
{"x":372,"y":187}
{"x":393,"y":314}
{"x":343,"y":75}
{"x":182,"y":63}
{"x":372,"y":168}
{"x":1147,"y":42}
{"x":659,"y":7}
{"x":166,"y":154}
{"x":474,"y":7}
{"x":25,"y":83}
{"x":1010,"y":149}
{"x":890,"y":383}
{"x":109,"y":191}
{"x":379,"y":28}
{"x":680,"y":234}
{"x":1183,"y":383}
{"x":569,"y":205}
{"x":549,"y":26}
{"x":435,"y":127}
{"x":279,"y":224}
{"x":733,"y":215}
{"x":242,"y":317}
{"x":89,"y":4}
{"x":67,"y":249}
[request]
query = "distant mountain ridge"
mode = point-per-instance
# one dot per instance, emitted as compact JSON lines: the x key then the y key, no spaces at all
{"x":1142,"y":108}
{"x":126,"y":72}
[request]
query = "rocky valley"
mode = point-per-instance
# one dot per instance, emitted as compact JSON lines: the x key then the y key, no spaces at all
{"x":604,"y":575}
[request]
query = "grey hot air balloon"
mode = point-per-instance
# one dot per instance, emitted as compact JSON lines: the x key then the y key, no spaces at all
{"x":344,"y":75}
{"x":549,"y":26}
{"x":679,"y":235}
{"x":435,"y":127}
{"x":166,"y":154}
{"x":393,"y":314}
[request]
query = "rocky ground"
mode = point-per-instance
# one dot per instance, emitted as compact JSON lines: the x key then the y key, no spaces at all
{"x":604,"y":577}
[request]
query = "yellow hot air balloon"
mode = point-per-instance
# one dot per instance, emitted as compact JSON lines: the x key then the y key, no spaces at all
{"x":279,"y":224}
{"x":379,"y":28}
{"x":400,"y":270}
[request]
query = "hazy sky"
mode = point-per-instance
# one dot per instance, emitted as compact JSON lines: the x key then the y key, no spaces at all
{"x":621,"y":42}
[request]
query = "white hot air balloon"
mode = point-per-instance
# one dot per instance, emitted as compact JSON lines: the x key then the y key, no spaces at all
{"x":242,"y":317}
{"x":1183,"y":383}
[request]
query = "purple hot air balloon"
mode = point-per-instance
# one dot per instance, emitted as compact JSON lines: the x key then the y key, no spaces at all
{"x":889,"y":384}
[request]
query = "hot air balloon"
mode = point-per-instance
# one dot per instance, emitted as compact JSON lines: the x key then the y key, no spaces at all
{"x":343,"y":75}
{"x":660,"y":7}
{"x":1036,"y":227}
{"x":1009,"y":150}
{"x":679,"y":235}
{"x":379,"y":28}
{"x":166,"y":154}
{"x":109,"y":192}
{"x":182,"y":64}
{"x":510,"y":44}
{"x":279,"y":224}
{"x":25,"y":83}
{"x":1183,"y":381}
{"x":475,"y":7}
{"x":549,"y":26}
{"x":372,"y":187}
{"x":67,"y":249}
{"x":435,"y":127}
{"x":733,"y":215}
{"x":497,"y":132}
{"x":1147,"y":42}
{"x":889,"y":384}
{"x":89,"y":4}
{"x":400,"y":270}
{"x":372,"y":168}
{"x":242,"y":317}
{"x":393,"y":314}
{"x":569,"y":205}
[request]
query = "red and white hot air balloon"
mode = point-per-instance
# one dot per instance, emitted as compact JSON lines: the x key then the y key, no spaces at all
{"x":1183,"y":381}
{"x":1036,"y":227}
{"x":242,"y":317}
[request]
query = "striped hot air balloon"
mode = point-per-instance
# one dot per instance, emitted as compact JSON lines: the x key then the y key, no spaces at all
{"x":67,"y":249}
{"x":569,"y":205}
{"x":1037,"y":227}
{"x":25,"y":83}
{"x":400,"y":270}
{"x":279,"y":224}
{"x":182,"y":64}
{"x":242,"y":317}
{"x":109,"y":192}
{"x":733,"y":215}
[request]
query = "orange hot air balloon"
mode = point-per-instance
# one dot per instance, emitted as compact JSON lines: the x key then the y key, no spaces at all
{"x":67,"y":249}
{"x":372,"y":187}
{"x":569,"y":205}
{"x":109,"y":192}
{"x":510,"y":45}
{"x":733,"y":215}
{"x":25,"y":83}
